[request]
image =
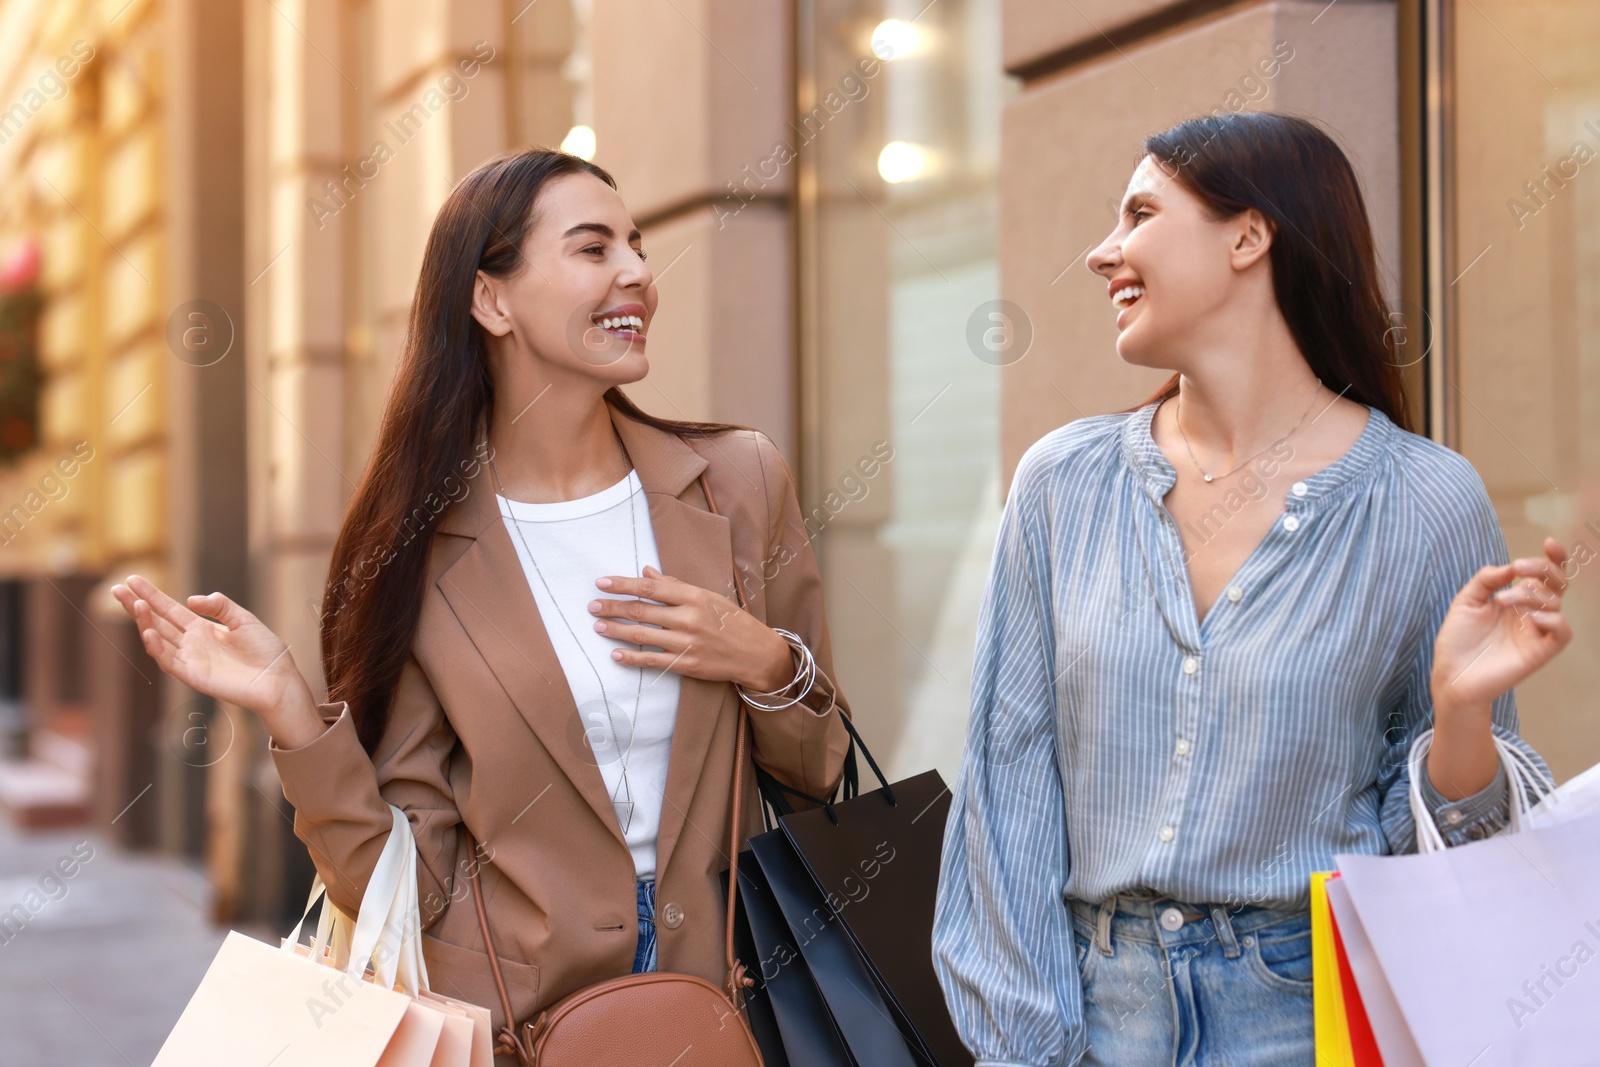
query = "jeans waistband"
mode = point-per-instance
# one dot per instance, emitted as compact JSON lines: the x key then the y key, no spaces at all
{"x":1161,"y":920}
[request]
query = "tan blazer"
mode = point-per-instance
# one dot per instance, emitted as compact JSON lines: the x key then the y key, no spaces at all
{"x":484,"y":733}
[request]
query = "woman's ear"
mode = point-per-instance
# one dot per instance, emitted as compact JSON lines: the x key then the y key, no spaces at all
{"x":487,"y":307}
{"x":1252,"y":237}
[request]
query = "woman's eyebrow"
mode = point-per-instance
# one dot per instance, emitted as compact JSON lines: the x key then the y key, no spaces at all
{"x":599,"y":229}
{"x":1137,"y":200}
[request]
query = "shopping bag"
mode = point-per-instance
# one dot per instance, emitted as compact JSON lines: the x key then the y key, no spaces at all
{"x":1575,"y":797}
{"x":390,"y":904}
{"x":1331,"y":1025}
{"x":854,"y":1000}
{"x":855,"y":881}
{"x":1363,"y":1049}
{"x":315,"y":1005}
{"x":1486,"y":947}
{"x":788,"y":1017}
{"x":1389,"y":1031}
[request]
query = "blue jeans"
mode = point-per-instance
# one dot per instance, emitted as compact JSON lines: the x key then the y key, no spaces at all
{"x":1168,"y":984}
{"x":644,"y":957}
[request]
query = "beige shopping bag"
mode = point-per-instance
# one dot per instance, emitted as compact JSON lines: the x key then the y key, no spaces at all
{"x":466,"y":1036}
{"x":284,"y":1009}
{"x":357,"y":996}
{"x":468,"y":1028}
{"x":391,"y":914}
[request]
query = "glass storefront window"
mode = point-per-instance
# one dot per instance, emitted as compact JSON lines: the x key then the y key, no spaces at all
{"x":1522,"y":291}
{"x":899,"y":117}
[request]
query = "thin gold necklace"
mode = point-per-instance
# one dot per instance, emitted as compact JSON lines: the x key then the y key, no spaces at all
{"x":1178,"y":418}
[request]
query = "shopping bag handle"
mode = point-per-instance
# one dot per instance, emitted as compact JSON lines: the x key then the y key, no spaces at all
{"x":1525,"y":781}
{"x":773,"y":791}
{"x":390,"y":900}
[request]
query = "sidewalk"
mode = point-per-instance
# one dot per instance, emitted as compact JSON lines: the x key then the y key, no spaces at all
{"x":96,"y":968}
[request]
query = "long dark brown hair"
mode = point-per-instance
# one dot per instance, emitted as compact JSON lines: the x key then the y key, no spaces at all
{"x":426,"y":441}
{"x":1324,"y":265}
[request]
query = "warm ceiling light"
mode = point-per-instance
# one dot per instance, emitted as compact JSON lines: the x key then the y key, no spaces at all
{"x":896,"y":39}
{"x":902,"y":162}
{"x":579,"y":142}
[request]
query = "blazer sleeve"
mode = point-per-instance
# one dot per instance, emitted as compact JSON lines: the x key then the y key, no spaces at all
{"x":341,"y":797}
{"x":802,"y":746}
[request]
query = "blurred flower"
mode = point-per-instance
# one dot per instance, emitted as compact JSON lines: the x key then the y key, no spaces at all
{"x":19,"y":267}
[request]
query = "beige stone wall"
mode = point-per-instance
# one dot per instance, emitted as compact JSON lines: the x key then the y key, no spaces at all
{"x":1058,"y":191}
{"x":690,"y":99}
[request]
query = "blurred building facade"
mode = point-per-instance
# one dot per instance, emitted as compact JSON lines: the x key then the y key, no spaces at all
{"x":867,"y":222}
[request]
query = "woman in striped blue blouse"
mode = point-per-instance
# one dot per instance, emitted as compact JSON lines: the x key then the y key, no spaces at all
{"x":1208,"y":637}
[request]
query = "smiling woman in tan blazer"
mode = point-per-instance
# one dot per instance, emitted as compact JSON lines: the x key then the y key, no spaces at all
{"x":446,"y":694}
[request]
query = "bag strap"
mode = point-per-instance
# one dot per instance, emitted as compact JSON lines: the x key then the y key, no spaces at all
{"x":509,"y":1041}
{"x":738,"y":979}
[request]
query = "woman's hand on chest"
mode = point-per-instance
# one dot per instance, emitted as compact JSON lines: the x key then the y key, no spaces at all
{"x":701,"y":634}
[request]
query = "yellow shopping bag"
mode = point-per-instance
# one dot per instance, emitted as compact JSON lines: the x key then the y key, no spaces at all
{"x":1332,"y":1021}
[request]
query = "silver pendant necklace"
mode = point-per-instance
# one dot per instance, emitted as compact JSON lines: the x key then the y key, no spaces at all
{"x":1178,"y":418}
{"x":624,"y":805}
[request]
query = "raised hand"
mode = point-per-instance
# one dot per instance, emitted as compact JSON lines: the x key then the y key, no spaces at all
{"x":217,"y":647}
{"x":1496,"y":634}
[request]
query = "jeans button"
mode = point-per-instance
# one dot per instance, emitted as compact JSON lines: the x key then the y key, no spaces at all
{"x":672,"y":915}
{"x":1171,"y":919}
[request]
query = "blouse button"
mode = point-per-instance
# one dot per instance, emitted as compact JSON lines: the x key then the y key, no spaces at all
{"x":1167,"y":833}
{"x":1190,"y":665}
{"x":1183,"y":746}
{"x":1453,"y":818}
{"x":1298,"y":489}
{"x":1234,"y":594}
{"x":1291,"y":523}
{"x":672,"y":915}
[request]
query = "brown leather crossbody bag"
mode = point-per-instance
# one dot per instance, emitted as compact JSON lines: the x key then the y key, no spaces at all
{"x":652,"y":1017}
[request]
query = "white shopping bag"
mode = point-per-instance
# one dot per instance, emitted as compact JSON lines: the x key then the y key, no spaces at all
{"x":1489,"y":950}
{"x":316,"y":1006}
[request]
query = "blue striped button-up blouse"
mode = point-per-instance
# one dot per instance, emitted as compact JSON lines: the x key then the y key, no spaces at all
{"x":1117,"y":743}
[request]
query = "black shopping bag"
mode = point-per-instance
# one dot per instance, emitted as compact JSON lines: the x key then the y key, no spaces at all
{"x":791,"y":1024}
{"x":841,"y":977}
{"x":855,"y":881}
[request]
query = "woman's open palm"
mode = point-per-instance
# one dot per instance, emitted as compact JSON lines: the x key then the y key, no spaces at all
{"x":1495,"y":635}
{"x":225,"y":652}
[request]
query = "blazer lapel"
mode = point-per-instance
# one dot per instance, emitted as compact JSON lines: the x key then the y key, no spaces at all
{"x":489,"y":593}
{"x":697,"y":547}
{"x":694,"y":546}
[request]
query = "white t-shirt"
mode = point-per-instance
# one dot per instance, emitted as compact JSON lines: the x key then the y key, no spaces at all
{"x":575,"y":542}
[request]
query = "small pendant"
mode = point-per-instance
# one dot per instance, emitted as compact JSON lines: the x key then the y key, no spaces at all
{"x":1208,"y":478}
{"x":625,"y":815}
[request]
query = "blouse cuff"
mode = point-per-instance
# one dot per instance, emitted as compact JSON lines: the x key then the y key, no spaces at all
{"x":1473,"y":817}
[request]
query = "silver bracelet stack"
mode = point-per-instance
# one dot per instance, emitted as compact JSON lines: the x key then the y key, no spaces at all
{"x":805,"y":677}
